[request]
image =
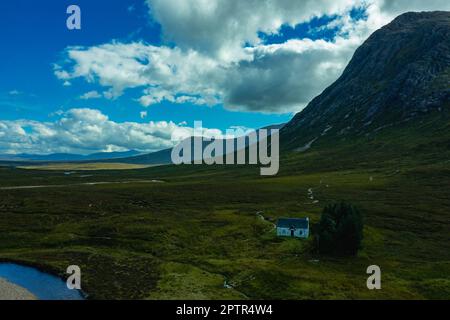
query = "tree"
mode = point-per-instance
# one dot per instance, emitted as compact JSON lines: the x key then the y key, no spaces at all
{"x":340,"y":230}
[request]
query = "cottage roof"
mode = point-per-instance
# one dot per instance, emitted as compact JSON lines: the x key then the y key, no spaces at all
{"x":301,"y":223}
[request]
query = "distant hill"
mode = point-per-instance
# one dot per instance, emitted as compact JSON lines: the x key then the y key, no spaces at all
{"x":130,"y":157}
{"x":159,"y":157}
{"x":397,"y":79}
{"x":67,"y":156}
{"x":111,"y":155}
{"x":164,"y":156}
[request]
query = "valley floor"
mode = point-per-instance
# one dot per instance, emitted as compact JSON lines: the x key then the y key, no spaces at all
{"x":200,"y":235}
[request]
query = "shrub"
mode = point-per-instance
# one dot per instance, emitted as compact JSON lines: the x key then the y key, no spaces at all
{"x":340,"y":230}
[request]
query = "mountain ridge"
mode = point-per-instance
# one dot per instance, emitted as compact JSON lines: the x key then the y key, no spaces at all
{"x":400,"y":72}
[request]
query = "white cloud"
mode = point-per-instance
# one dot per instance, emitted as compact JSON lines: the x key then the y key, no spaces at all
{"x":87,"y":131}
{"x":157,"y":95}
{"x":222,"y":27}
{"x":91,"y":95}
{"x":219,"y":58}
{"x":277,"y":78}
{"x":166,"y":73}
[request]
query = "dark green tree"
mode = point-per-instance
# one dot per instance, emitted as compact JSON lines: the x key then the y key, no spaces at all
{"x":340,"y":230}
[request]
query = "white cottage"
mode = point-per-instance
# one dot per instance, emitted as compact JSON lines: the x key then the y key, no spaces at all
{"x":296,"y":228}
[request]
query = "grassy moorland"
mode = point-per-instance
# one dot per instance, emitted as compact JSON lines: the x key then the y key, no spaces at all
{"x":183,"y":238}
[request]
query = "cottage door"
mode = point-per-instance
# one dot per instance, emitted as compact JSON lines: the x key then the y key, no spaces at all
{"x":292,"y":232}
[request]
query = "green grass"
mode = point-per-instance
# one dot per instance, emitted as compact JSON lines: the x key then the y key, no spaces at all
{"x":184,"y":238}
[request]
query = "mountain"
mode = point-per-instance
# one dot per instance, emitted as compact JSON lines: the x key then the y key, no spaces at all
{"x":165,"y":156}
{"x":399,"y":76}
{"x":159,"y":157}
{"x":111,"y":155}
{"x":68,"y":156}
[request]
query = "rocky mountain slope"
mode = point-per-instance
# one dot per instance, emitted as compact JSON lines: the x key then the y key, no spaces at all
{"x":399,"y":74}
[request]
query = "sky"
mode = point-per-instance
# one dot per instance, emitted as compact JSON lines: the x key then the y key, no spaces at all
{"x":140,"y":72}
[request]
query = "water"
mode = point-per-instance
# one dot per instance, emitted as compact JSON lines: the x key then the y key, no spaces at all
{"x":43,"y":285}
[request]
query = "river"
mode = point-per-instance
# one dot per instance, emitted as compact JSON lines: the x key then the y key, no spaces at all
{"x":42,"y":285}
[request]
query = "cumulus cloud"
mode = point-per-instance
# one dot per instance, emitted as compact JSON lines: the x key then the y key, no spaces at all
{"x":166,"y":73}
{"x":222,"y":27}
{"x":219,"y":57}
{"x":88,"y":131}
{"x":285,"y":77}
{"x":277,"y":78}
{"x":91,"y":95}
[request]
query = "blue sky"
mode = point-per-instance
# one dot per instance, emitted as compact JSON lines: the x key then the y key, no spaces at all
{"x":35,"y":34}
{"x":150,"y":68}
